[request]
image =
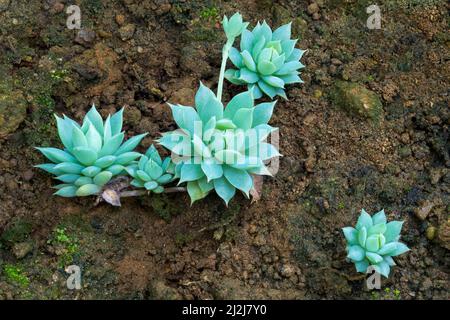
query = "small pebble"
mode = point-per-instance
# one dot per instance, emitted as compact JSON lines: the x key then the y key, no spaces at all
{"x":313,"y":8}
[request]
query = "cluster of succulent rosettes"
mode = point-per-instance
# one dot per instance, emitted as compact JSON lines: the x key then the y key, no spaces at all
{"x":219,"y":148}
{"x":266,"y":61}
{"x":151,"y":172}
{"x":93,"y":153}
{"x":374,"y":242}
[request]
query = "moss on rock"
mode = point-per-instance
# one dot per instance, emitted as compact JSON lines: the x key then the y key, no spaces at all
{"x":358,"y":100}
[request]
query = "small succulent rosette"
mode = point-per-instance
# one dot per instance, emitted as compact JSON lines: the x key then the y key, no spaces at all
{"x":220,"y":149}
{"x":234,"y":26}
{"x":373,"y":242}
{"x":266,"y":61}
{"x":151,"y":172}
{"x":93,"y":153}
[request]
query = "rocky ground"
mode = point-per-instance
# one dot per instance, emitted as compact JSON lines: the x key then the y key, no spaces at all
{"x":368,"y":129}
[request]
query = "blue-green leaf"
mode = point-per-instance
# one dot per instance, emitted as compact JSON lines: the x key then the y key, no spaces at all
{"x":240,"y":179}
{"x":102,"y":178}
{"x":351,"y":235}
{"x":273,"y":81}
{"x":211,"y":169}
{"x":191,"y":172}
{"x":372,"y":242}
{"x":224,"y":124}
{"x":94,"y":140}
{"x":150,"y":185}
{"x":283,"y":32}
{"x":401,"y":248}
{"x":56,"y":155}
{"x":266,"y":68}
{"x":243,"y":118}
{"x":113,"y":144}
{"x":91,"y":171}
{"x":202,"y":97}
{"x":105,"y":161}
{"x":362,"y":236}
{"x":186,"y":117}
{"x":49,"y":167}
{"x":85,"y":155}
{"x":224,"y":189}
{"x":269,"y":90}
{"x":127,"y":157}
{"x":165,"y":178}
{"x":248,"y":76}
{"x":377,"y":228}
{"x":288,"y":46}
{"x":384,"y":268}
{"x":262,"y":113}
{"x":69,"y":167}
{"x":64,"y":132}
{"x":236,"y":58}
{"x":130,"y":144}
{"x":393,"y":230}
{"x":361,"y":266}
{"x":88,"y":190}
{"x":268,"y":151}
{"x":388,"y":248}
{"x":69,"y":191}
{"x":116,"y":122}
{"x":68,"y":177}
{"x":248,"y":60}
{"x":288,"y":68}
{"x":373,"y":257}
{"x":194,"y":191}
{"x":246,"y":40}
{"x":213,"y":108}
{"x":356,"y":253}
{"x":116,"y":169}
{"x":81,"y":181}
{"x":364,"y":220}
{"x":96,"y":119}
{"x":242,"y":100}
{"x":143,"y":175}
{"x":379,"y":217}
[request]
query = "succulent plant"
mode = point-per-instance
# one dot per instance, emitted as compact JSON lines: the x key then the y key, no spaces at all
{"x":93,"y":153}
{"x":220,"y":149}
{"x":266,"y":60}
{"x":374,"y":242}
{"x":151,"y":172}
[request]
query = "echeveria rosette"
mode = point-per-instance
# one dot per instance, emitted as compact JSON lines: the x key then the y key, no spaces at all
{"x":220,"y":148}
{"x":151,"y":172}
{"x":374,"y":242}
{"x":266,"y":61}
{"x":93,"y":153}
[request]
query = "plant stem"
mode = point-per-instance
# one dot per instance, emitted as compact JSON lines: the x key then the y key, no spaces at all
{"x":225,"y":53}
{"x":137,"y":193}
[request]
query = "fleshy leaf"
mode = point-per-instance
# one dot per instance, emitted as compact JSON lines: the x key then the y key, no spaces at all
{"x":351,"y":235}
{"x":364,"y":220}
{"x":88,"y":190}
{"x":240,"y":179}
{"x":224,"y":189}
{"x":356,"y":253}
{"x":393,"y":230}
